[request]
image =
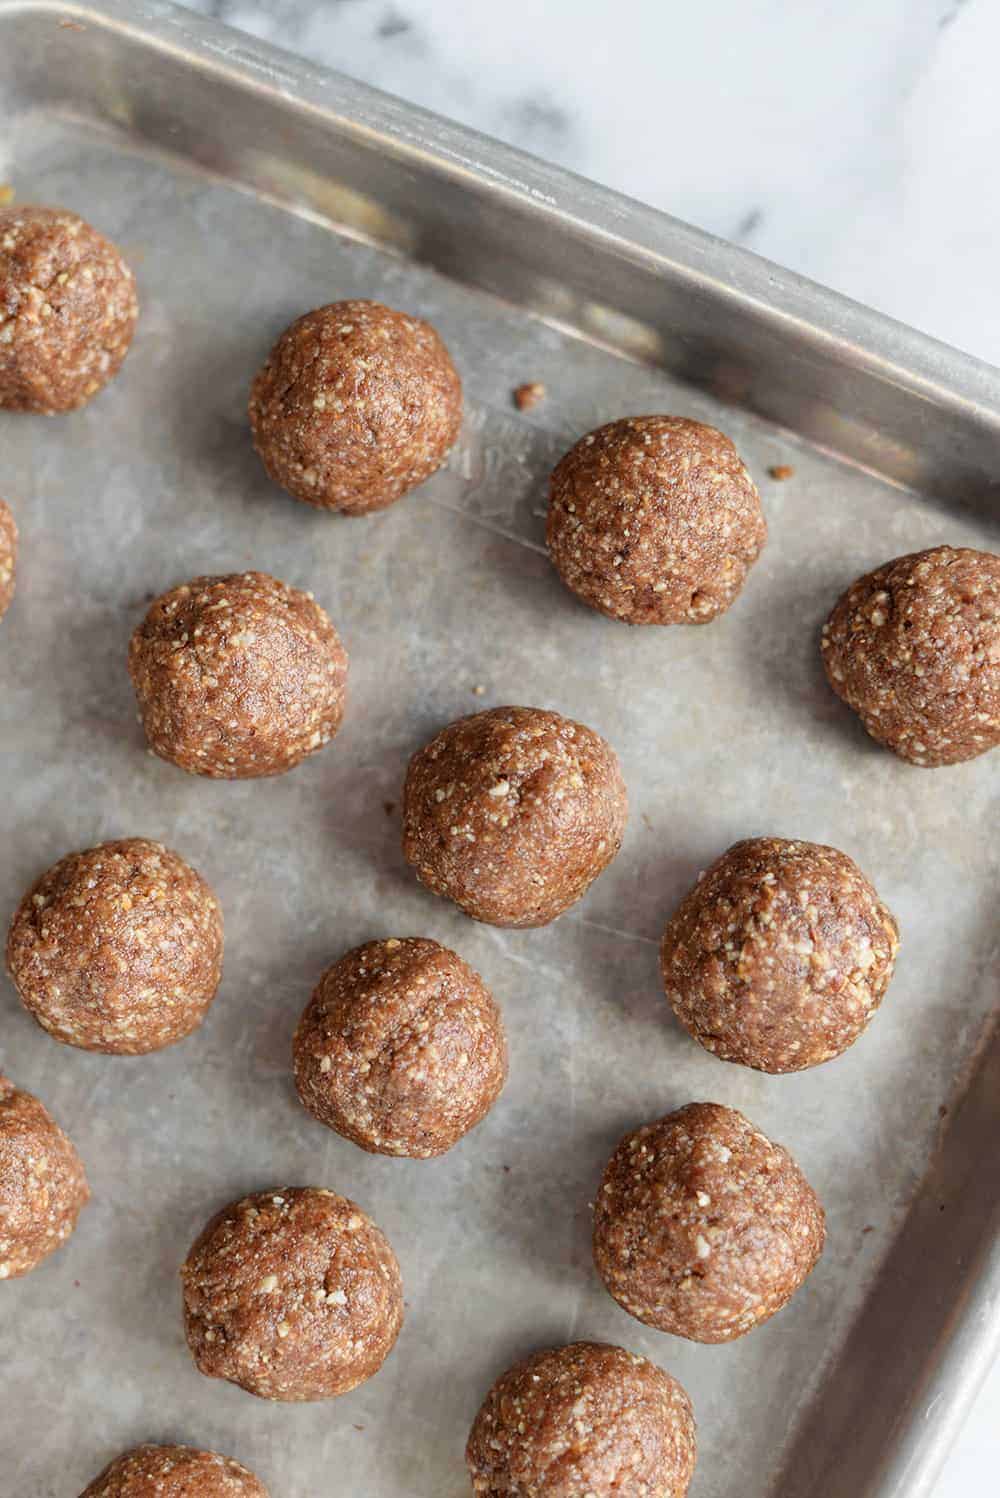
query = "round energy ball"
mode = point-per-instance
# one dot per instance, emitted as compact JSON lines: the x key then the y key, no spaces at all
{"x":513,"y":813}
{"x":655,"y":520}
{"x":43,"y":1187}
{"x":237,"y":676}
{"x":780,"y":955}
{"x":174,"y":1472}
{"x":401,"y":1048}
{"x":293,"y":1294}
{"x":68,"y":309}
{"x":702,"y":1226}
{"x":355,"y":406}
{"x":914,"y":649}
{"x":583,"y":1419}
{"x":8,"y":557}
{"x":118,"y":948}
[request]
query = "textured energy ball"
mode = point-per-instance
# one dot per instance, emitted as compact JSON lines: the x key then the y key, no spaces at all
{"x":293,"y":1294}
{"x":355,"y":406}
{"x":118,"y":948}
{"x":702,"y":1226}
{"x":513,"y":813}
{"x":42,"y":1182}
{"x":8,"y":557}
{"x":587,"y":1419}
{"x":914,"y":649}
{"x":780,"y":955}
{"x":237,"y":676}
{"x":401,"y":1048}
{"x":174,"y":1472}
{"x":655,"y":520}
{"x":67,"y":310}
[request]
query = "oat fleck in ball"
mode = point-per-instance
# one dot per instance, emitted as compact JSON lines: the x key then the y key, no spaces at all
{"x":43,"y":1187}
{"x":780,"y":955}
{"x":237,"y":676}
{"x":293,"y":1294}
{"x":702,"y":1226}
{"x":8,"y":557}
{"x":513,"y":813}
{"x":655,"y":520}
{"x":118,"y":948}
{"x":355,"y":406}
{"x":174,"y":1472}
{"x":401,"y":1048}
{"x":67,"y":310}
{"x":914,"y":649}
{"x":584,"y":1421}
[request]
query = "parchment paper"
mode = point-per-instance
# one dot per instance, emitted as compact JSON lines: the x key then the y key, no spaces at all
{"x":723,"y":732}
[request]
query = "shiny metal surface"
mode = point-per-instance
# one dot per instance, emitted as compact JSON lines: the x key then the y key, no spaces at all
{"x":247,"y":185}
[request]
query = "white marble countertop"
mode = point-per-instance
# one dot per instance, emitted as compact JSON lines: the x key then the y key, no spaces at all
{"x":873,"y":172}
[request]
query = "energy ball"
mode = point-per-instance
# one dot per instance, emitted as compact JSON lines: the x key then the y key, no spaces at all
{"x":292,"y":1294}
{"x":43,"y":1187}
{"x":588,"y":1419}
{"x":513,"y":813}
{"x":8,"y":557}
{"x":914,"y":649}
{"x":401,"y":1048}
{"x":118,"y":948}
{"x":702,"y":1226}
{"x":237,"y":676}
{"x":780,"y":955}
{"x":355,"y":406}
{"x":655,"y":520}
{"x":68,"y":309}
{"x":174,"y":1472}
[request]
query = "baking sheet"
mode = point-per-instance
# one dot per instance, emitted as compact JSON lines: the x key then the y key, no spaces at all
{"x":723,"y":732}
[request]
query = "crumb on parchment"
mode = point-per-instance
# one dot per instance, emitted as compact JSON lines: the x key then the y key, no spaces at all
{"x":527,"y":396}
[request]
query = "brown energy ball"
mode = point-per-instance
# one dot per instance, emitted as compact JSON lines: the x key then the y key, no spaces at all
{"x":401,"y":1048}
{"x":67,"y":310}
{"x":702,"y":1226}
{"x":355,"y":406}
{"x":237,"y":676}
{"x":655,"y":520}
{"x":118,"y":948}
{"x":513,"y":813}
{"x":174,"y":1472}
{"x":914,"y":649}
{"x":42,"y":1182}
{"x":587,"y":1419}
{"x":293,"y":1294}
{"x":780,"y":955}
{"x":8,"y":557}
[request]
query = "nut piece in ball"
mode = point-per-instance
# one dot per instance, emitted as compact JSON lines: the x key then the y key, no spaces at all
{"x":118,"y":948}
{"x":293,"y":1294}
{"x":702,"y":1226}
{"x":68,"y":309}
{"x":8,"y":557}
{"x":914,"y":649}
{"x":174,"y":1472}
{"x":237,"y":676}
{"x":42,"y":1182}
{"x":655,"y":520}
{"x":401,"y":1048}
{"x":513,"y":813}
{"x":780,"y":955}
{"x":588,"y":1419}
{"x":355,"y":406}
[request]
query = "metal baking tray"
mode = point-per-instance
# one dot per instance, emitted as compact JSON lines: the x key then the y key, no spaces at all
{"x":247,"y":186}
